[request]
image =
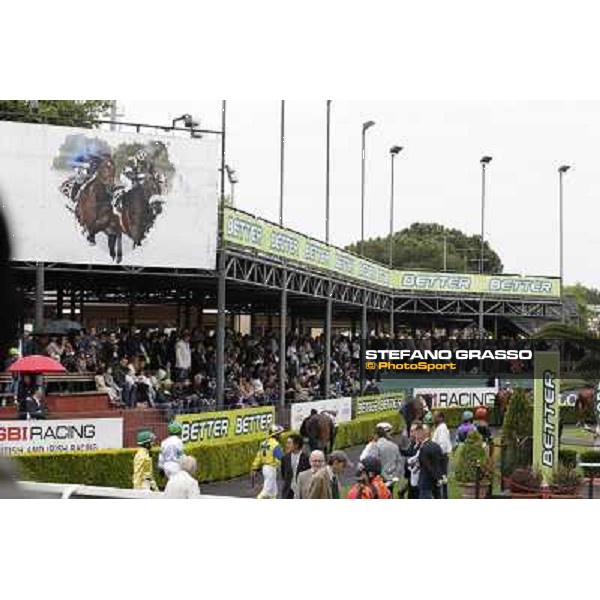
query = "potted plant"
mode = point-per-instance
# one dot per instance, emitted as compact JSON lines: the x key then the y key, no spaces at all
{"x":591,"y":474}
{"x":565,"y":482}
{"x":472,"y":463}
{"x":525,"y":483}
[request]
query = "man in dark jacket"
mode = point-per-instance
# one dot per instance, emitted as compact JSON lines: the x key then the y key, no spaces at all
{"x":293,"y":463}
{"x":431,"y":462}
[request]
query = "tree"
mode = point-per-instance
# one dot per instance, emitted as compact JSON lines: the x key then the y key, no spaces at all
{"x":517,"y":433}
{"x":72,"y":113}
{"x":421,"y":246}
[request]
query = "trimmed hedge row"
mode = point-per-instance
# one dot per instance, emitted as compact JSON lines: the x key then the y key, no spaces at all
{"x":216,"y":462}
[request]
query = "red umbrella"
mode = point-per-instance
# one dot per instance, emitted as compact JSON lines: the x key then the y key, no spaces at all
{"x":36,"y":364}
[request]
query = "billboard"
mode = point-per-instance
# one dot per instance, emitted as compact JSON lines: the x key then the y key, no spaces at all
{"x":366,"y":405}
{"x":75,"y":435}
{"x":459,"y":397}
{"x":339,"y":408}
{"x":227,"y":425}
{"x":97,"y":197}
{"x":251,"y":232}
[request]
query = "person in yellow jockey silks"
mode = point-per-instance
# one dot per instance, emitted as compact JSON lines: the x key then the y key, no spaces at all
{"x":143,"y":478}
{"x":268,"y":459}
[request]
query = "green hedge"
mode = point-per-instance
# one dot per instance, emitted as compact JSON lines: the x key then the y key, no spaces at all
{"x":216,"y":462}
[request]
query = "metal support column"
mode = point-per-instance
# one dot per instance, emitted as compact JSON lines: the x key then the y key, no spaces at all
{"x":282,"y":340}
{"x":72,"y":303}
{"x":221,"y":286}
{"x":59,"y":302}
{"x":328,"y":319}
{"x":39,"y":296}
{"x":363,"y":345}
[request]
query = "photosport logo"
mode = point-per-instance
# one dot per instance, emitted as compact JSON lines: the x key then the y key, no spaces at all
{"x":458,"y":361}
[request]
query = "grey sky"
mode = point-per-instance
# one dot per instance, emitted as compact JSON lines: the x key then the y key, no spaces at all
{"x":437,"y":176}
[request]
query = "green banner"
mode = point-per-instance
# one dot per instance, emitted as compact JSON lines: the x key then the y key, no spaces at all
{"x":367,"y":405}
{"x":246,"y":230}
{"x":226,"y":425}
{"x":546,"y":412}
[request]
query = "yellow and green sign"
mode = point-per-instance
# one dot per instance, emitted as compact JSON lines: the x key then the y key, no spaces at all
{"x":546,"y":412}
{"x":367,"y":405}
{"x":244,"y":423}
{"x":246,"y":230}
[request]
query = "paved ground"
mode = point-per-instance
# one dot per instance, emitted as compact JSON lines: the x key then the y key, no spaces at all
{"x":241,"y":488}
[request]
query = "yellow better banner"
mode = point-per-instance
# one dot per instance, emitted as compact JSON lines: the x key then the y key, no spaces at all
{"x":546,"y":411}
{"x":251,"y":232}
{"x":239,"y":424}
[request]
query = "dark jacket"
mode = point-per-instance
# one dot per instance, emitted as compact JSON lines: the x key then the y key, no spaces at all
{"x":287,"y":474}
{"x":35,"y":410}
{"x":431,"y":460}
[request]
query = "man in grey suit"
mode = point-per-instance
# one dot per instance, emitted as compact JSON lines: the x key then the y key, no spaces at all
{"x":317,"y":462}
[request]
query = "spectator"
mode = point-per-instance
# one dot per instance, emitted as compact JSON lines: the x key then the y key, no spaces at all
{"x":317,"y":462}
{"x":183,"y":357}
{"x":431,"y":461}
{"x":294,"y":462}
{"x":388,"y":453}
{"x":35,"y":407}
{"x":441,"y":436}
{"x":326,"y":483}
{"x":183,"y":485}
{"x":412,"y":468}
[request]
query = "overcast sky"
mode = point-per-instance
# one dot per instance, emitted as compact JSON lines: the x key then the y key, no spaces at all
{"x":438,"y":175}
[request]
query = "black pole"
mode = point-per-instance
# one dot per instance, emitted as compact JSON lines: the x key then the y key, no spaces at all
{"x":221,"y":286}
{"x":39,"y":296}
{"x":329,"y":306}
{"x":283,"y":300}
{"x":327,"y":166}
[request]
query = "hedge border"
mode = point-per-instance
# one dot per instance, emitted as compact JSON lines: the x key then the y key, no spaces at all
{"x":216,"y":462}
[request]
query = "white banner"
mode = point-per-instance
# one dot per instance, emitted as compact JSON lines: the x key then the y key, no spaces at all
{"x":459,"y":397}
{"x":18,"y":437}
{"x":339,"y":408}
{"x":99,"y":197}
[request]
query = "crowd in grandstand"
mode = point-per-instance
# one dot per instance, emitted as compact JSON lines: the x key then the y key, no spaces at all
{"x":176,"y":371}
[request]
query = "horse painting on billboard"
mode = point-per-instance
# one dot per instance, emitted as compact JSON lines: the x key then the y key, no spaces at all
{"x":114,"y":192}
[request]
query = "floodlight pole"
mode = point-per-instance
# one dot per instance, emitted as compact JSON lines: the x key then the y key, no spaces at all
{"x":283,"y":303}
{"x":221,"y":286}
{"x":329,"y":307}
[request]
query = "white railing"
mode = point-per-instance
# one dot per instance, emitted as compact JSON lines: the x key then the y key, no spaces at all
{"x":66,"y":491}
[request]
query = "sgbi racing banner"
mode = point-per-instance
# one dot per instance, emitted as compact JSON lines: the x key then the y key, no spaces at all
{"x":339,"y":408}
{"x":77,"y":435}
{"x":100,"y":197}
{"x":246,"y":230}
{"x":367,"y":405}
{"x":229,"y":425}
{"x":546,"y":410}
{"x":459,"y":397}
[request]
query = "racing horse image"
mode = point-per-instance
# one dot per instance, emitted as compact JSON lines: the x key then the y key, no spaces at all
{"x":138,"y":213}
{"x":94,"y":209}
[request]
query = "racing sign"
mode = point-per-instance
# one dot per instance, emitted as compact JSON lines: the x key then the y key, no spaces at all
{"x":77,"y":435}
{"x":546,"y":410}
{"x":339,"y":408}
{"x":240,"y":424}
{"x":459,"y":397}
